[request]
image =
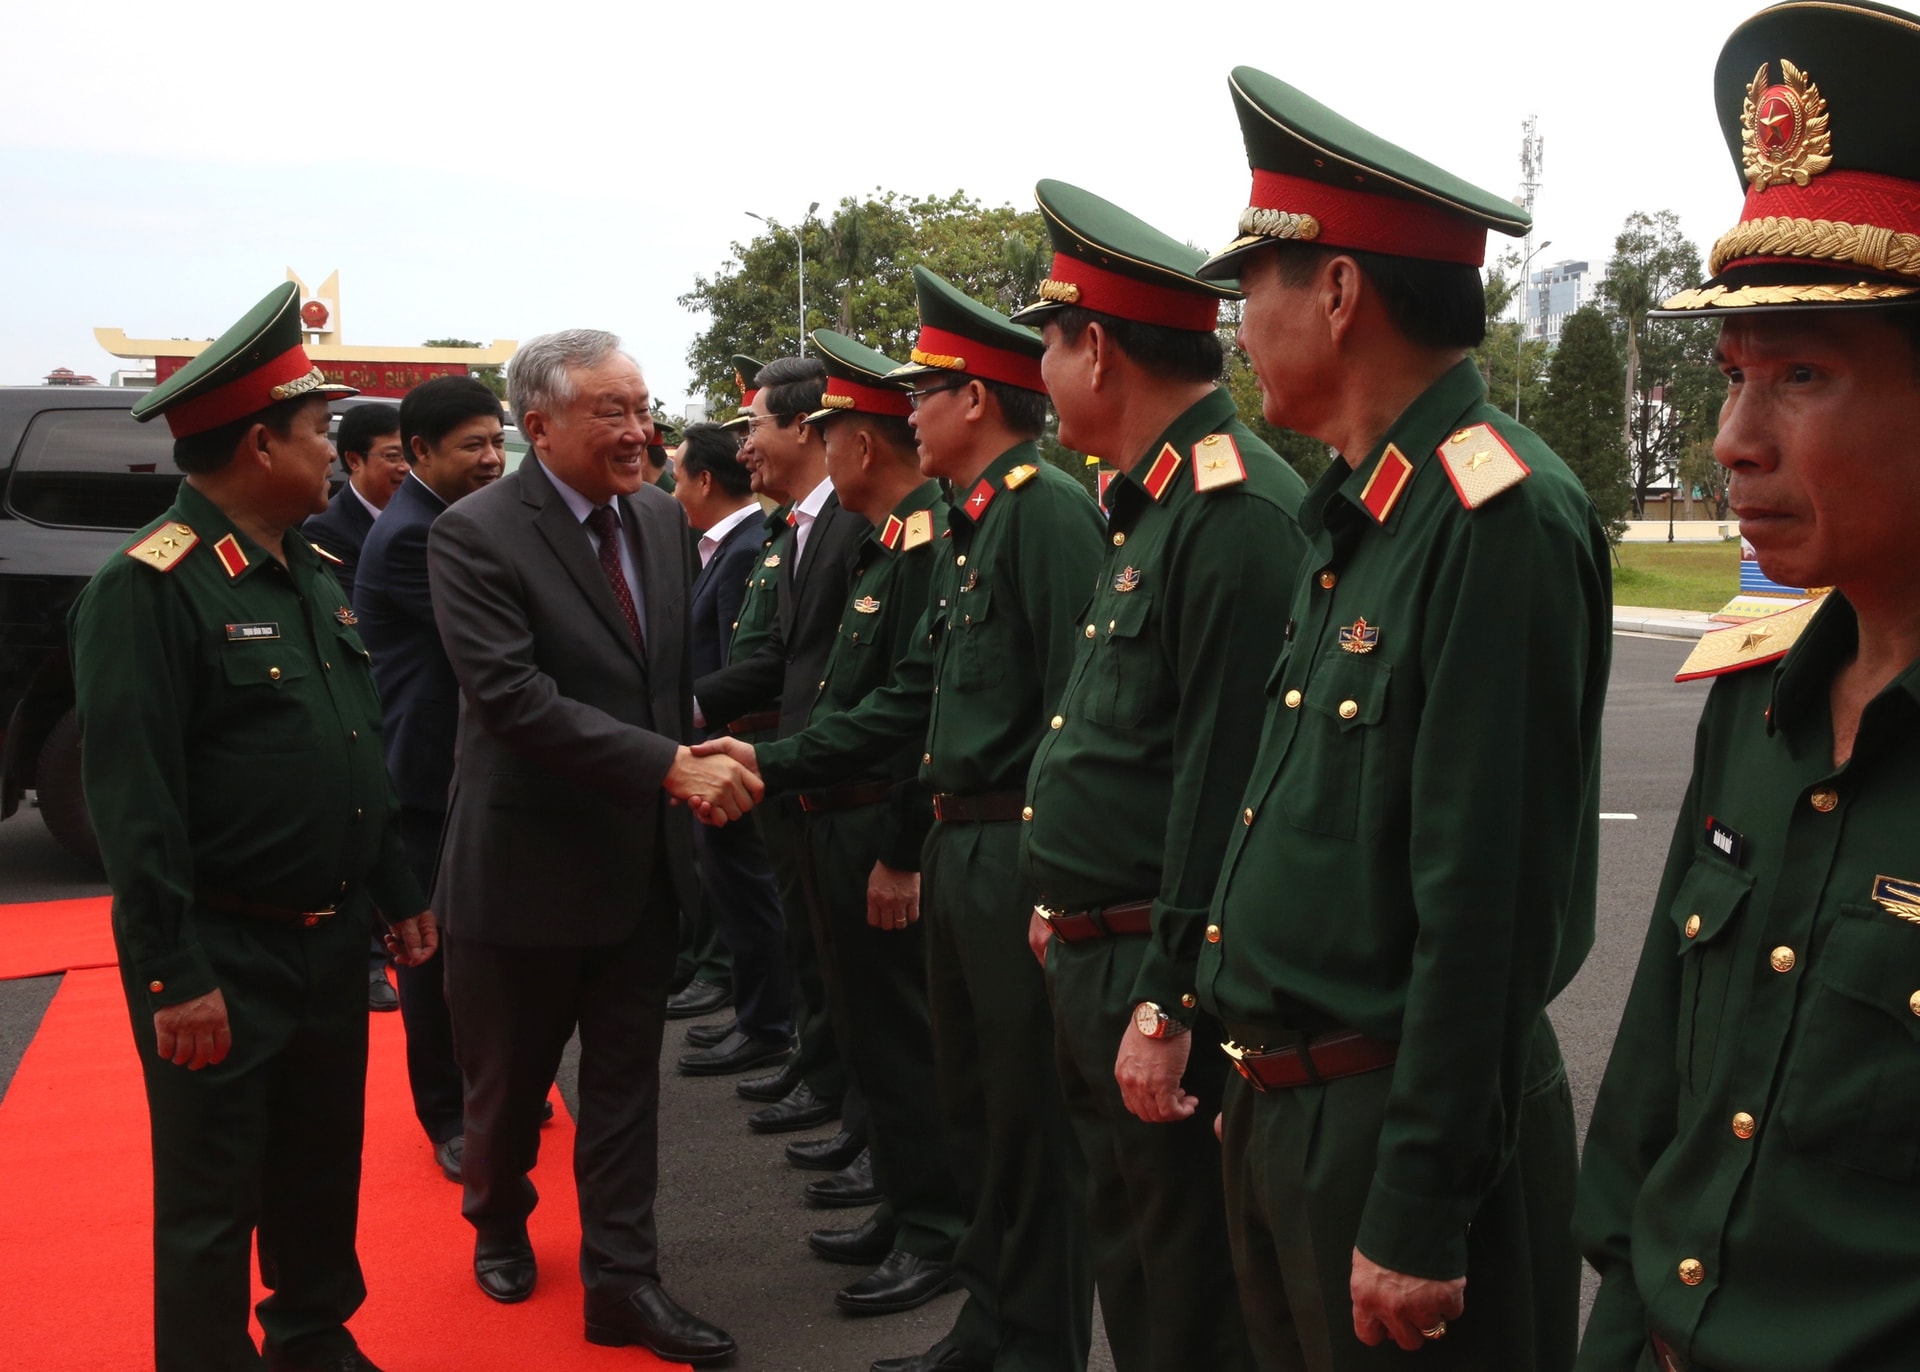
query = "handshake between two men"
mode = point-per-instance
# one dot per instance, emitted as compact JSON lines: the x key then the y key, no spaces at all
{"x":719,"y":781}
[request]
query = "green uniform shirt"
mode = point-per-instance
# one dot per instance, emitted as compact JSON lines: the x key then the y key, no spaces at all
{"x":992,"y":651}
{"x":1137,"y":778}
{"x":762,"y":605}
{"x":1416,"y":853}
{"x":1760,"y":1116}
{"x":231,"y":743}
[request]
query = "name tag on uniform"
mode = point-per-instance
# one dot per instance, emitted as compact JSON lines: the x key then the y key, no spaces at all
{"x":1726,"y":841}
{"x":246,"y":633}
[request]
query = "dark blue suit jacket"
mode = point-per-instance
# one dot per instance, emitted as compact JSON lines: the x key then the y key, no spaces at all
{"x":341,"y":529}
{"x":721,"y":589}
{"x":419,"y":698}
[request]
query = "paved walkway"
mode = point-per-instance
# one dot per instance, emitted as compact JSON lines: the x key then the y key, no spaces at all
{"x":1638,"y":619}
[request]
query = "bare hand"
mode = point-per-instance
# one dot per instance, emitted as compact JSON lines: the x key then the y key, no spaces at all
{"x":726,"y":745}
{"x":1392,"y":1305}
{"x":893,"y":897}
{"x":1219,"y":1124}
{"x":1039,"y":935}
{"x":411,"y":942}
{"x":194,"y":1033}
{"x":1149,"y":1072}
{"x":717,"y":788}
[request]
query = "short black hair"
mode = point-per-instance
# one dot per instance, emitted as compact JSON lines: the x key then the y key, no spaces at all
{"x":1170,"y":354}
{"x":1024,"y":411}
{"x":202,"y":453}
{"x":1435,"y":304}
{"x":793,"y":386}
{"x":714,"y":449}
{"x":435,"y":408}
{"x":361,"y":426}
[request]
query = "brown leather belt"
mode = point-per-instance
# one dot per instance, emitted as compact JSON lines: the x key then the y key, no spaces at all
{"x":231,"y":903}
{"x":757,"y":722}
{"x":1078,"y":926}
{"x":1666,"y":1359}
{"x":1323,"y":1057}
{"x":849,"y":797}
{"x":979,"y":807}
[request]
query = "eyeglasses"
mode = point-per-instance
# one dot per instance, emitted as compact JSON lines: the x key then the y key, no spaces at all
{"x":753,"y":424}
{"x":916,"y":398}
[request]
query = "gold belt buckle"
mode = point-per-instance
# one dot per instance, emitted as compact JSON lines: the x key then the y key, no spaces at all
{"x":1048,"y":916}
{"x":313,"y":917}
{"x":1236,"y":1055}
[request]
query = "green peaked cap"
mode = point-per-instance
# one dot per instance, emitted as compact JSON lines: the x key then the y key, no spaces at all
{"x":959,"y":334}
{"x":745,"y":369}
{"x":858,"y":379}
{"x":258,"y":362}
{"x":1109,"y":261}
{"x":1320,"y":178}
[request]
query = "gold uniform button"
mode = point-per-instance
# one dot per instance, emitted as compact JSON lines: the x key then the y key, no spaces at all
{"x":960,"y":561}
{"x":1119,"y":540}
{"x":1327,"y":580}
{"x":1825,"y":799}
{"x":1913,"y":1002}
{"x":1089,"y":631}
{"x":1026,"y":812}
{"x":1691,"y":1271}
{"x":327,"y":665}
{"x":1246,"y":815}
{"x":354,"y":734}
{"x":156,"y":987}
{"x":1058,"y":720}
{"x":925,"y":758}
{"x":1693,"y":926}
{"x":1293,"y":699}
{"x":736,"y":623}
{"x":1743,"y":1125}
{"x":359,"y":814}
{"x":1187,"y":1001}
{"x":273,"y":674}
{"x":1348,"y":709}
{"x":1213,"y":933}
{"x":1781,"y":958}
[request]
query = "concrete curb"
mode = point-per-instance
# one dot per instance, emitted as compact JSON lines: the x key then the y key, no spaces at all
{"x":1631,"y":619}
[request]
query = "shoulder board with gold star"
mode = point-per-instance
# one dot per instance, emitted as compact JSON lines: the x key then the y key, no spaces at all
{"x":1752,"y":644}
{"x":1480,"y":464}
{"x":1217,"y":463}
{"x":325,"y":554}
{"x":1021,"y":475}
{"x":919,"y":530}
{"x":164,"y":547}
{"x":1160,"y":474}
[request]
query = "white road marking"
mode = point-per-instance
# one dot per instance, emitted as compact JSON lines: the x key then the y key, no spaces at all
{"x":1605,"y":815}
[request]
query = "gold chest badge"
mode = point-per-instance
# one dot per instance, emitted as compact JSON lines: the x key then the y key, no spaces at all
{"x":1359,"y":637}
{"x":1127,"y":579}
{"x":1783,"y":129}
{"x":1898,"y":898}
{"x":866,"y":605}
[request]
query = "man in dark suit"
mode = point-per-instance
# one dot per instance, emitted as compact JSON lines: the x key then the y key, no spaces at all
{"x":452,"y":429}
{"x":561,"y":593}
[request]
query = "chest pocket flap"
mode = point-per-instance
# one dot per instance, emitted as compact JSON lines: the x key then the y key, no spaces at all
{"x":1709,"y":894}
{"x":969,"y":620}
{"x":1121,"y":676}
{"x":1703,"y":910}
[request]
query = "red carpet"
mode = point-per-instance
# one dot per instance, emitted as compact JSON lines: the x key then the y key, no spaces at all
{"x":76,"y":1213}
{"x":52,"y":936}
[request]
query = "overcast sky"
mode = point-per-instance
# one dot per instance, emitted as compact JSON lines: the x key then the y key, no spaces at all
{"x":491,"y":171}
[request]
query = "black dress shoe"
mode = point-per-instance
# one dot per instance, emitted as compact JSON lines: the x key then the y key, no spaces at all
{"x":735,"y":1053}
{"x":697,"y":998}
{"x":769,"y":1085}
{"x":706,"y":1035}
{"x":902,"y":1282}
{"x":449,"y":1154}
{"x":380,"y":993}
{"x":862,"y":1246}
{"x":504,"y":1267}
{"x":356,"y":1361}
{"x":798,"y":1109}
{"x":650,"y":1317}
{"x":851,"y":1186}
{"x":945,"y":1356}
{"x":826,"y":1155}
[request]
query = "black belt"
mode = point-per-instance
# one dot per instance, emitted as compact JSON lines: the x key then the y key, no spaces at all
{"x":849,"y":797}
{"x":1078,"y":926}
{"x":232,"y":903}
{"x":979,"y":807}
{"x":757,"y":722}
{"x":1314,"y":1059}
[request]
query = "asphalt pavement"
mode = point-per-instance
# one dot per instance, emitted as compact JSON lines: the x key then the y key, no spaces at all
{"x":733,"y":1221}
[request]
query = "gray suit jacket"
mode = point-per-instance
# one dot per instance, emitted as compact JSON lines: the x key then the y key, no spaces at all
{"x":558,"y":833}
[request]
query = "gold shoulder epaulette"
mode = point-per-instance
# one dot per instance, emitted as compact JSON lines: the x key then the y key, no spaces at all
{"x":1740,"y":646}
{"x":165,"y":546}
{"x":1480,"y":464}
{"x":1217,"y":463}
{"x":1021,"y":475}
{"x":919,"y":529}
{"x":325,"y":554}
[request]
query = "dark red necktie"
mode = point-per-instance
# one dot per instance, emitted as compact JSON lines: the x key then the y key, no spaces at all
{"x":606,"y":527}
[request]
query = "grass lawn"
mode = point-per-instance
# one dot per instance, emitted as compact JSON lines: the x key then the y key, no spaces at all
{"x":1677,"y":576}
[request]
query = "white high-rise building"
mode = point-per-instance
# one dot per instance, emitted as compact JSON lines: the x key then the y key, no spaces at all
{"x":1554,"y":292}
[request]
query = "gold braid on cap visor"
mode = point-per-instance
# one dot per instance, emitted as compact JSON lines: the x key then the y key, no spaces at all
{"x":837,"y":402}
{"x":944,"y":361}
{"x":1258,"y":223}
{"x":300,"y":385}
{"x":1060,"y":292}
{"x":1825,"y":240}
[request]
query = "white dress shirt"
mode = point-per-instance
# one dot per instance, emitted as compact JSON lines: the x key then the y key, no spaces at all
{"x":372,"y":508}
{"x":804,"y":513}
{"x":581,"y":507}
{"x":711,"y":540}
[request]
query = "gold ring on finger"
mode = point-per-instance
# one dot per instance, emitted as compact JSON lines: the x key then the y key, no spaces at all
{"x":1437,"y":1331}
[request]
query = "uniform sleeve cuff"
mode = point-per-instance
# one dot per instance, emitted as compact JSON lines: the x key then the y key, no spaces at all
{"x":1419,"y":1236}
{"x":1169,"y":985}
{"x":179,"y":976}
{"x":772,"y":760}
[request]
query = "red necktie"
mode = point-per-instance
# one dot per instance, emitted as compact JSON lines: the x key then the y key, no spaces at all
{"x":606,"y":527}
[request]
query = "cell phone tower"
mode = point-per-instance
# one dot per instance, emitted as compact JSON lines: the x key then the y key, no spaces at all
{"x":1533,"y":164}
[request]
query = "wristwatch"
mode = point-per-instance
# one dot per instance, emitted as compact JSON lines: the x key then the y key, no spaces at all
{"x":1155,"y":1023}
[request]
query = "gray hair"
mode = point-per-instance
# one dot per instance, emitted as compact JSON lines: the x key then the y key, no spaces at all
{"x":540,"y":375}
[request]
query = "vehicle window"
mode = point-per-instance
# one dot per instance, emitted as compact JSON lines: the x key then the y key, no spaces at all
{"x":93,"y":469}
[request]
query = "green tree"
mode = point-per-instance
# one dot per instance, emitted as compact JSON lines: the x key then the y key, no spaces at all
{"x":493,"y":378}
{"x":1507,"y":361}
{"x":1579,"y":415}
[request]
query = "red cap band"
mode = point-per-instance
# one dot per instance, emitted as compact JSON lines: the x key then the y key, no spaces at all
{"x":746,"y":398}
{"x":240,"y":397}
{"x":1367,"y":222}
{"x":975,"y":358}
{"x":1129,"y":297}
{"x":868,"y":399}
{"x":1868,"y":199}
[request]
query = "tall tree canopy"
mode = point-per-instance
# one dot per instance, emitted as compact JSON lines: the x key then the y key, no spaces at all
{"x":1579,"y":414}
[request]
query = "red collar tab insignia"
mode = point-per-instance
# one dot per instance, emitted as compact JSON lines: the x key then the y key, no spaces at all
{"x":866,"y":605}
{"x":1388,"y":482}
{"x":919,"y":530}
{"x":890,"y":532}
{"x":164,"y":547}
{"x":228,"y":551}
{"x":1127,"y":579}
{"x":326,"y":556}
{"x":1359,"y":637}
{"x":1481,"y":465}
{"x":1217,"y":463}
{"x":1783,"y":129}
{"x":1102,"y":482}
{"x":793,"y":520}
{"x":1160,"y":474}
{"x":346,"y":616}
{"x":1752,"y":644}
{"x":1021,"y":475}
{"x":976,"y":503}
{"x":1897,"y":897}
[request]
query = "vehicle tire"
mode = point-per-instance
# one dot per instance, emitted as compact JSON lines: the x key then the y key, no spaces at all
{"x":63,"y":803}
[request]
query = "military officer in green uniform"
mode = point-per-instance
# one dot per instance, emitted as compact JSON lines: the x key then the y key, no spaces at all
{"x":1012,"y":569}
{"x":1411,"y":874}
{"x":1140,"y":770}
{"x":1749,"y":1193}
{"x":232,"y":757}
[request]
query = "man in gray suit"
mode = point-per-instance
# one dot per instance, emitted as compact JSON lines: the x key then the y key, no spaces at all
{"x":561,"y":595}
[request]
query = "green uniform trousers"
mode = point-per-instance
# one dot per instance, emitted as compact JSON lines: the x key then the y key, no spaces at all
{"x":816,"y":1060}
{"x":701,"y":955}
{"x":1299,"y":1164}
{"x":1024,"y":1256}
{"x":877,"y":991}
{"x":1153,"y":1191}
{"x":268,"y":1140}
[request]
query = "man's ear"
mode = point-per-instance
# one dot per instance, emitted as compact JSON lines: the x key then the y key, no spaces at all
{"x":422,"y":450}
{"x":1343,"y":294}
{"x":1099,"y":354}
{"x":257,"y":446}
{"x":976,"y":392}
{"x":534,"y":425}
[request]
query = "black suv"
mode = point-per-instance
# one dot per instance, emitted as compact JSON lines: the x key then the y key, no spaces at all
{"x":77,"y":476}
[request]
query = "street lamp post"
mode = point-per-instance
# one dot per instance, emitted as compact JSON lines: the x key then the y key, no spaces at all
{"x":1519,"y":326}
{"x":800,"y":249}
